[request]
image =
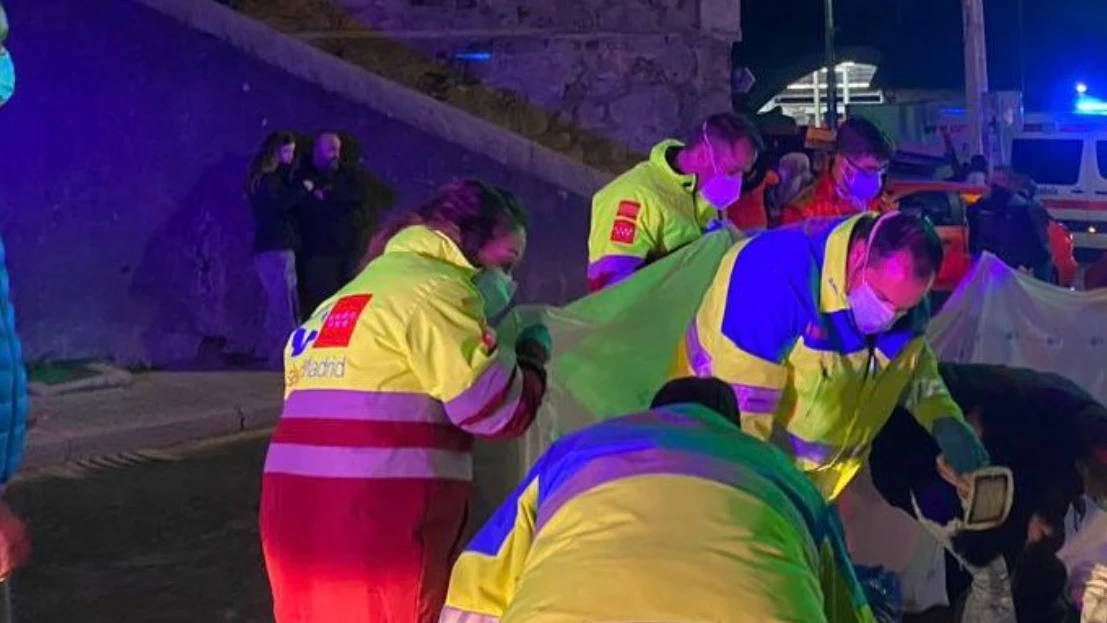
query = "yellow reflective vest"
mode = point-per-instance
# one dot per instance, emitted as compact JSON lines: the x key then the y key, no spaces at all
{"x":670,"y":515}
{"x":642,"y":215}
{"x":776,"y":325}
{"x":402,"y":360}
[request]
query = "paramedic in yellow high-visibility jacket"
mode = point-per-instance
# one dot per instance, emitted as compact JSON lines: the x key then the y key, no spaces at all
{"x":368,"y":476}
{"x":819,"y":328}
{"x":671,"y":199}
{"x":669,"y":515}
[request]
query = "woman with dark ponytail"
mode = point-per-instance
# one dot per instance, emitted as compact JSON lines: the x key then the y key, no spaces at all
{"x":369,"y":472}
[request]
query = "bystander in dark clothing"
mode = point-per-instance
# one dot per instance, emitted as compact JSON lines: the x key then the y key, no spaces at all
{"x":327,"y":222}
{"x":376,"y":199}
{"x":274,"y":195}
{"x":1042,"y":426}
{"x":1014,"y":227}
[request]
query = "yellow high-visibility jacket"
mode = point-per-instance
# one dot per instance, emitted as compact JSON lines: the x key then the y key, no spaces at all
{"x":405,"y":352}
{"x":776,"y":325}
{"x":642,"y":215}
{"x":670,"y":515}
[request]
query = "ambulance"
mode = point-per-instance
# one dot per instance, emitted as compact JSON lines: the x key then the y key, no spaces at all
{"x":1066,"y":156}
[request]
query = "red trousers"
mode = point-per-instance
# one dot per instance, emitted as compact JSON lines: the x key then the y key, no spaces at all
{"x":360,"y":551}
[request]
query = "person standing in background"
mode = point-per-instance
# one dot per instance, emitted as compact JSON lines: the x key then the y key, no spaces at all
{"x":274,"y":195}
{"x":15,"y":544}
{"x":668,"y":201}
{"x":326,"y":219}
{"x":852,"y":181}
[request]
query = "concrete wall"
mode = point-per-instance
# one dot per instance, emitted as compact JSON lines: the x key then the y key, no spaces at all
{"x":600,"y":80}
{"x":124,"y":152}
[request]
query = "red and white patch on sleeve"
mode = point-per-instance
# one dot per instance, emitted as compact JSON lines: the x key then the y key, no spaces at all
{"x":629,"y":210}
{"x":623,"y":232}
{"x":625,"y":228}
{"x":340,"y":324}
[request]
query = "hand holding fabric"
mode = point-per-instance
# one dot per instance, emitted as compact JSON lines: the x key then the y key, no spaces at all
{"x":960,"y":446}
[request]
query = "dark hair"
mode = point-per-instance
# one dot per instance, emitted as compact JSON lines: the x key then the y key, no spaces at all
{"x":478,"y":211}
{"x":727,"y":128}
{"x":978,"y":163}
{"x":859,"y":137}
{"x":902,"y":231}
{"x":710,"y":392}
{"x":265,"y":161}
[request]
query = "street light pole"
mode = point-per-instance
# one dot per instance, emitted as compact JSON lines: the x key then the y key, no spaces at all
{"x":976,"y":75}
{"x":831,"y":68}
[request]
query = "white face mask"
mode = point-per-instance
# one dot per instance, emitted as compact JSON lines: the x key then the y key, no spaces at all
{"x":721,"y":190}
{"x":497,"y":288}
{"x":7,"y":76}
{"x":870,"y":314}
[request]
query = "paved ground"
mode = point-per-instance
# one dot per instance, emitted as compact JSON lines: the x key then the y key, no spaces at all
{"x":169,"y":539}
{"x":158,"y":409}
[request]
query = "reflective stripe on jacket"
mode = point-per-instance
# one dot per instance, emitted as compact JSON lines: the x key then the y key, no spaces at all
{"x":776,"y":325}
{"x":670,"y":515}
{"x":393,"y":375}
{"x":642,"y":215}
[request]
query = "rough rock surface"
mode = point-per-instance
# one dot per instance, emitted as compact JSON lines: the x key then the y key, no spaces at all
{"x":121,"y":200}
{"x":598,"y":80}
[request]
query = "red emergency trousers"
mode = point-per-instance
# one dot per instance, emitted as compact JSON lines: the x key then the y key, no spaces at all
{"x":360,"y":551}
{"x":344,"y":548}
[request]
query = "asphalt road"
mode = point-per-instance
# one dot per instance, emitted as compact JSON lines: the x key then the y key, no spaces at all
{"x":166,"y":537}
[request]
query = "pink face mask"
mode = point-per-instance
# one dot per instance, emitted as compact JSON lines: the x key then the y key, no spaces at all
{"x":721,"y":190}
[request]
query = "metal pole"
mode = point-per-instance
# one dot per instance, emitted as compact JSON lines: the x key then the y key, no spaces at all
{"x":976,"y":74}
{"x":831,"y":68}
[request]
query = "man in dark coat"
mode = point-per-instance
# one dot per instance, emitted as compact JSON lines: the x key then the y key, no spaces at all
{"x":1051,"y":434}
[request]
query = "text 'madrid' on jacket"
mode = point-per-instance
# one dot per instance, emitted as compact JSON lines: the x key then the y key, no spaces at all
{"x":668,"y":515}
{"x":392,"y":376}
{"x":643,"y":215}
{"x":776,"y":325}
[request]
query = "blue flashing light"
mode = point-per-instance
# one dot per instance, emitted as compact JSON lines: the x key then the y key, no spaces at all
{"x":1087,"y":105}
{"x":1081,"y":88}
{"x":480,"y":57}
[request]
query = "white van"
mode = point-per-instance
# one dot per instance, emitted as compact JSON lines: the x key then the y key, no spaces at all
{"x":1066,"y":156}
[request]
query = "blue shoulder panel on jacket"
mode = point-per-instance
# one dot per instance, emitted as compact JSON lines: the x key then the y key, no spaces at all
{"x":771,"y":292}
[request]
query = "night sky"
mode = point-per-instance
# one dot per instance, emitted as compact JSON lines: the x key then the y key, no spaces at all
{"x":1064,"y":41}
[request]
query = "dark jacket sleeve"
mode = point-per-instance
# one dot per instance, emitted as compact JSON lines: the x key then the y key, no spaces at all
{"x":278,"y":195}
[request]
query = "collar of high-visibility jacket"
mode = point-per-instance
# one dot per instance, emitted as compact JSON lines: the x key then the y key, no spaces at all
{"x":659,"y":156}
{"x":832,"y":289}
{"x":431,"y":243}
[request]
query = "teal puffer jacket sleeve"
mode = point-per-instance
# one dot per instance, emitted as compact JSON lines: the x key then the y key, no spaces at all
{"x":14,"y":403}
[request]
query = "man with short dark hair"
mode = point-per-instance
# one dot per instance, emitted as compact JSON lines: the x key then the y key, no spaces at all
{"x":671,"y":199}
{"x":820,"y":330}
{"x":852,"y":182}
{"x":667,"y":515}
